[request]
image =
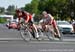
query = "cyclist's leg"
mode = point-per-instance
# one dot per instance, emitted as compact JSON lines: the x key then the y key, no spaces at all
{"x":43,"y":27}
{"x":51,"y":29}
{"x":35,"y":28}
{"x":56,"y":29}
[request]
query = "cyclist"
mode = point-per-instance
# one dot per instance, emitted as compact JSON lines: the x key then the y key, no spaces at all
{"x":26,"y":17}
{"x":73,"y":24}
{"x":49,"y":20}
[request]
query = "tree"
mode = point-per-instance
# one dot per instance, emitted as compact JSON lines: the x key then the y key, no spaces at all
{"x":71,"y":9}
{"x":2,"y":9}
{"x":11,"y":8}
{"x":32,"y":7}
{"x":28,"y":8}
{"x":62,"y":9}
{"x":42,"y":5}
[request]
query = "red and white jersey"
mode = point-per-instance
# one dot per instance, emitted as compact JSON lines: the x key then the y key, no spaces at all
{"x":26,"y":16}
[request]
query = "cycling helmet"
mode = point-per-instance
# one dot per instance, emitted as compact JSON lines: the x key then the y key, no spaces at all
{"x":44,"y":12}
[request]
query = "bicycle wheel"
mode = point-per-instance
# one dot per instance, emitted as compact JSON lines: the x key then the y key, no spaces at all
{"x":61,"y":36}
{"x":50,"y":33}
{"x":25,"y":34}
{"x":40,"y":33}
{"x":45,"y":34}
{"x":51,"y":36}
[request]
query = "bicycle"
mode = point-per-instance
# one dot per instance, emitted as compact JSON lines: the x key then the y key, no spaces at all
{"x":27,"y":32}
{"x":48,"y":32}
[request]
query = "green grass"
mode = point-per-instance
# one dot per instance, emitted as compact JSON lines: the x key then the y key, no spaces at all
{"x":2,"y":20}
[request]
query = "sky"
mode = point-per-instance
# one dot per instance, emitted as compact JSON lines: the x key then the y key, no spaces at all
{"x":18,"y":3}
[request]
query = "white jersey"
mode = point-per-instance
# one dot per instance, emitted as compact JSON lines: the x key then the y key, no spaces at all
{"x":49,"y":19}
{"x":73,"y":22}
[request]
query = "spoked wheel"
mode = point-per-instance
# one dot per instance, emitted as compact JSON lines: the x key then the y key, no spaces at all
{"x":49,"y":35}
{"x":41,"y":34}
{"x":45,"y":34}
{"x":25,"y":34}
{"x":61,"y":36}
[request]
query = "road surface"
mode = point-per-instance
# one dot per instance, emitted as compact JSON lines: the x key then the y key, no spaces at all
{"x":11,"y":41}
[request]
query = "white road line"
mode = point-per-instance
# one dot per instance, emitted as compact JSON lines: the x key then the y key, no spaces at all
{"x":7,"y":39}
{"x":65,"y":41}
{"x":11,"y":39}
{"x":54,"y":42}
{"x":68,"y":39}
{"x":3,"y":41}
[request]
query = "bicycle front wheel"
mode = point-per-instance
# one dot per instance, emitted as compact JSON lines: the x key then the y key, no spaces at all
{"x":25,"y":34}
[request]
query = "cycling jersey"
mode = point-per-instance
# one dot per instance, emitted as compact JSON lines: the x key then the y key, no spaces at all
{"x":50,"y":20}
{"x":26,"y":16}
{"x":73,"y":23}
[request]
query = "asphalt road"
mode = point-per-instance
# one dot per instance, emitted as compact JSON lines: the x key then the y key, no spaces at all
{"x":21,"y":46}
{"x":11,"y":41}
{"x":6,"y":34}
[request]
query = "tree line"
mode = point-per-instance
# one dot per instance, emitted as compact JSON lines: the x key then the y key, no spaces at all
{"x":60,"y":9}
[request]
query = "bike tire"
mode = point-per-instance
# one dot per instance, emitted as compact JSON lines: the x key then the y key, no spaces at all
{"x":41,"y":34}
{"x":45,"y":35}
{"x":25,"y":34}
{"x":61,"y":36}
{"x":49,"y":35}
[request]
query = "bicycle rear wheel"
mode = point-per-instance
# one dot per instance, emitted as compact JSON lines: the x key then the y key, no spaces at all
{"x":61,"y":36}
{"x":53,"y":37}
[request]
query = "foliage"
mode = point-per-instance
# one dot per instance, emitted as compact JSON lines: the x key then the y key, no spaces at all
{"x":32,"y":7}
{"x":10,"y":10}
{"x":56,"y":7}
{"x":2,"y":20}
{"x":2,"y":9}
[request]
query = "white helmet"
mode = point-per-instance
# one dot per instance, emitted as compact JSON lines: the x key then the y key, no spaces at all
{"x":44,"y":12}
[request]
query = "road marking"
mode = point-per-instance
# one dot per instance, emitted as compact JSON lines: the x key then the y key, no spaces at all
{"x":69,"y":40}
{"x":64,"y":40}
{"x":3,"y":41}
{"x":54,"y":42}
{"x":7,"y":39}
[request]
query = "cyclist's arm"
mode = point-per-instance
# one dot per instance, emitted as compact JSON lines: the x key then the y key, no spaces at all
{"x":51,"y":18}
{"x":19,"y":18}
{"x":27,"y":19}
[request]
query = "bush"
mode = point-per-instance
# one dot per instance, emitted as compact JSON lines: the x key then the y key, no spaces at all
{"x":2,"y":20}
